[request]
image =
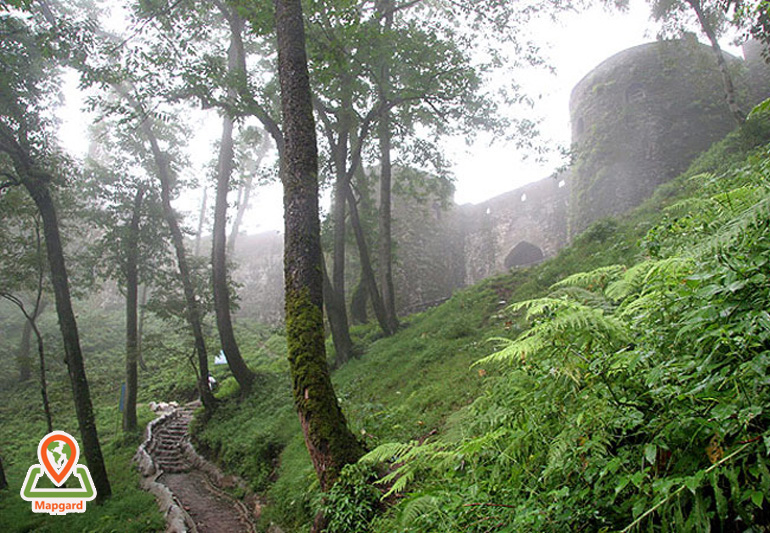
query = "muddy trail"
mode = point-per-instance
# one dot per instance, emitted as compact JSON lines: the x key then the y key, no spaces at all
{"x":191,"y":492}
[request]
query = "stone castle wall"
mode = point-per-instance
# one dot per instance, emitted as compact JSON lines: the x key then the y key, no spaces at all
{"x":638,"y":120}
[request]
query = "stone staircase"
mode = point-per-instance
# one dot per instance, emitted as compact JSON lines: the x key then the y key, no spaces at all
{"x":167,"y":445}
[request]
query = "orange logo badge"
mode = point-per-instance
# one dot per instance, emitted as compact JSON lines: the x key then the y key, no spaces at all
{"x":58,"y":453}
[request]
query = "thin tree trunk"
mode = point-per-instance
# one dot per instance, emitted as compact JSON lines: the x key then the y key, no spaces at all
{"x":3,"y":481}
{"x":177,"y":239}
{"x":29,"y":320}
{"x":132,"y":297}
{"x":367,"y":272}
{"x":386,"y":170}
{"x":727,"y":81}
{"x":39,"y":192}
{"x":359,"y":302}
{"x":23,"y":358}
{"x":241,"y":372}
{"x":244,"y":195}
{"x":43,"y":379}
{"x":336,"y":306}
{"x":329,"y":441}
{"x":140,"y":329}
{"x":201,"y":222}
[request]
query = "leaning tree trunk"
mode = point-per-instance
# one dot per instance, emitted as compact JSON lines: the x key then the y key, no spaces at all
{"x":193,"y":314}
{"x":367,"y":272}
{"x":73,"y":356}
{"x":244,"y":195}
{"x":201,"y":222}
{"x":23,"y":355}
{"x":386,"y":171}
{"x":241,"y":372}
{"x":327,"y":437}
{"x":727,"y":81}
{"x":132,"y":327}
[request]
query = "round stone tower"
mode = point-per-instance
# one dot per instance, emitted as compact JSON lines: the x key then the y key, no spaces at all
{"x":638,"y":120}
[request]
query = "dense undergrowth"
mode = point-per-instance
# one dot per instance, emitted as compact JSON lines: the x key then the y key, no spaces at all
{"x":621,"y":384}
{"x":625,"y":386}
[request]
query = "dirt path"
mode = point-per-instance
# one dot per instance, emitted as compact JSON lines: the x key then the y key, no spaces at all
{"x":195,"y":498}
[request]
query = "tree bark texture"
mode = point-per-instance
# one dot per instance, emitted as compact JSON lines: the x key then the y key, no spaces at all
{"x":727,"y":81}
{"x":73,"y":356}
{"x":241,"y":372}
{"x":132,"y":303}
{"x":329,"y":441}
{"x":386,"y":171}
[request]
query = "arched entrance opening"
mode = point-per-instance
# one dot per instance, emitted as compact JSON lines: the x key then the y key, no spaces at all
{"x":523,"y":254}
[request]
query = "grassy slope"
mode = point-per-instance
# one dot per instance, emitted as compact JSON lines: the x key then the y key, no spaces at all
{"x":416,"y":383}
{"x":405,"y":387}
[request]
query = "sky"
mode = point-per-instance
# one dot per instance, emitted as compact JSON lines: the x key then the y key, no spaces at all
{"x":574,"y":45}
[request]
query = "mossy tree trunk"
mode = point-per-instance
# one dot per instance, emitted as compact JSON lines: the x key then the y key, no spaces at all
{"x":131,"y":253}
{"x":241,"y":372}
{"x":37,"y":186}
{"x":329,"y":441}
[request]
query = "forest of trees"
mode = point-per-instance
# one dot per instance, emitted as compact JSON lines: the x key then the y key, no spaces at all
{"x":344,"y":92}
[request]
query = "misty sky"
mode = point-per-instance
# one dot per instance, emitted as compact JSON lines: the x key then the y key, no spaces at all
{"x":573,"y":46}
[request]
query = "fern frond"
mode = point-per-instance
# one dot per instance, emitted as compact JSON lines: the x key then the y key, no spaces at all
{"x":389,"y":451}
{"x":421,"y":506}
{"x":565,"y":319}
{"x":691,"y":205}
{"x":670,"y":270}
{"x":592,"y":280}
{"x":631,"y":282}
{"x":585,"y":297}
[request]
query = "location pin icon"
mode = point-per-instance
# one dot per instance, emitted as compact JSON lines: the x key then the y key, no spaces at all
{"x":58,"y":476}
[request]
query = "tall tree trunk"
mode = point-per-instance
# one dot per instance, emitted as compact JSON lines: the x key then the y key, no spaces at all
{"x":335,"y":299}
{"x":193,"y":314}
{"x":23,"y":358}
{"x":367,"y":272}
{"x":329,"y":441}
{"x":132,"y":328}
{"x":140,"y":329}
{"x":386,"y":171}
{"x":359,"y":302}
{"x":244,"y":194}
{"x":201,"y":222}
{"x":30,"y":321}
{"x":241,"y":372}
{"x":43,"y":379}
{"x":39,"y":192}
{"x":727,"y":81}
{"x":3,"y":481}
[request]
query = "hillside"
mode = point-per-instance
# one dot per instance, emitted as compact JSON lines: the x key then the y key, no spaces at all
{"x":640,"y":392}
{"x":602,"y":414}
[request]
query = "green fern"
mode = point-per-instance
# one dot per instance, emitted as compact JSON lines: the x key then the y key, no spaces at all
{"x":593,"y":280}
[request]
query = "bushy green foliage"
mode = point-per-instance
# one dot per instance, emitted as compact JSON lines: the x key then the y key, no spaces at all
{"x":351,"y":503}
{"x":634,"y":399}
